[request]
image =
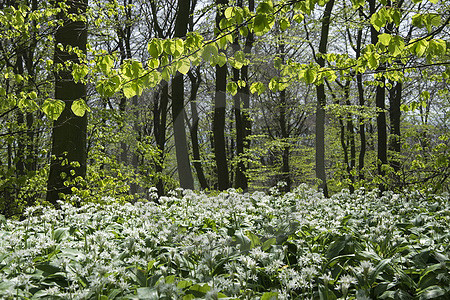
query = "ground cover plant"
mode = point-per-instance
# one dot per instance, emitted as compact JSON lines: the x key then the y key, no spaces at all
{"x":299,"y":245}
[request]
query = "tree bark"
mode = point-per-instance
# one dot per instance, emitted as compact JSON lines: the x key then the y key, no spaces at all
{"x":395,"y":96}
{"x":321,"y":102}
{"x":245,"y":99}
{"x":69,"y":131}
{"x":195,"y":84}
{"x":240,"y":130}
{"x":380,"y":104}
{"x":181,"y":146}
{"x":160,"y":121}
{"x":361,"y":100}
{"x":220,"y":154}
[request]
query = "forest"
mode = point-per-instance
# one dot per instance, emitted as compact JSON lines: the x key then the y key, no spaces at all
{"x":236,"y":149}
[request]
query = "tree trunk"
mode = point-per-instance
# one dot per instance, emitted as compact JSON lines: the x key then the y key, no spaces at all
{"x":379,"y":101}
{"x":362,"y":127}
{"x":240,"y":130}
{"x":160,"y":121}
{"x":395,"y":96}
{"x":321,"y":102}
{"x":195,"y":84}
{"x":350,"y":140}
{"x":69,"y":131}
{"x":245,"y":99}
{"x":219,"y":118}
{"x":181,"y":146}
{"x":285,"y":168}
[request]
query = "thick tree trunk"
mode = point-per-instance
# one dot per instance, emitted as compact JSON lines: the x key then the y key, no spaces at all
{"x":321,"y":102}
{"x":69,"y":131}
{"x":181,"y":146}
{"x":220,"y":154}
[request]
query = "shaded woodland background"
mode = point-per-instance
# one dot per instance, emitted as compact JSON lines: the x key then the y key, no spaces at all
{"x":238,"y":117}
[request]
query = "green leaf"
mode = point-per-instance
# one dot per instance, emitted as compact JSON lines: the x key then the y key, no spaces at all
{"x":284,"y":24}
{"x":229,"y":12}
{"x":419,"y":47}
{"x":79,"y":107}
{"x":220,"y":59}
{"x":179,"y":48}
{"x":60,"y":234}
{"x":170,"y":279}
{"x":265,"y":7}
{"x":260,"y":23}
{"x":298,"y":18}
{"x":105,"y":63}
{"x":310,"y":75}
{"x":270,"y":296}
{"x":183,"y":66}
{"x":79,"y":72}
{"x":133,"y":88}
{"x":169,"y":47}
{"x":396,"y":46}
{"x":384,"y":38}
{"x":257,"y":87}
{"x":184,"y":284}
{"x":232,"y":88}
{"x":274,"y":84}
{"x":431,"y":292}
{"x":209,"y":52}
{"x":254,"y":239}
{"x":267,"y":244}
{"x":153,"y":63}
{"x":48,"y":268}
{"x":378,"y":19}
{"x":378,"y":269}
{"x":147,"y":293}
{"x":154,"y":48}
{"x":53,"y":108}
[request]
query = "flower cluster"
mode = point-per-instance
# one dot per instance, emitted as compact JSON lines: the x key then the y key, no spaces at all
{"x":191,"y":245}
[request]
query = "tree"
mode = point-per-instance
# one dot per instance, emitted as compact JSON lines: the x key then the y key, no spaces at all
{"x":220,"y":153}
{"x":321,"y":102}
{"x":181,"y":146}
{"x":69,"y":130}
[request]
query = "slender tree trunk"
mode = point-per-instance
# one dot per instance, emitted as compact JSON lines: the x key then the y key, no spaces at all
{"x":219,"y":118}
{"x":31,"y":156}
{"x":350,"y":140}
{"x":240,"y":130}
{"x":181,"y":146}
{"x":321,"y":102}
{"x":69,"y":131}
{"x":195,"y":84}
{"x":395,"y":96}
{"x":245,"y":99}
{"x":380,"y":104}
{"x":285,"y":168}
{"x":160,"y":121}
{"x":362,"y":127}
